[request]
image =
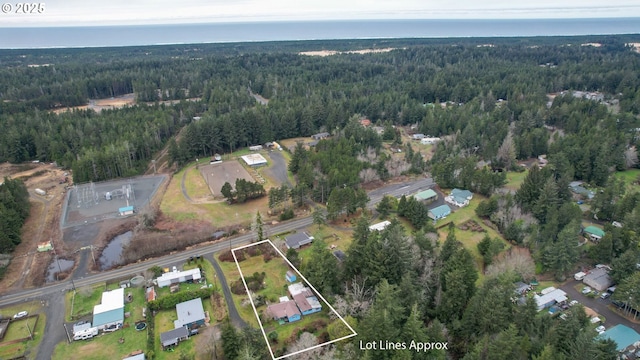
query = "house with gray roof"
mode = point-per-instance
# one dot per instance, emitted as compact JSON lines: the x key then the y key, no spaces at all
{"x":190,"y":314}
{"x":173,"y":337}
{"x":598,"y":279}
{"x":295,"y":241}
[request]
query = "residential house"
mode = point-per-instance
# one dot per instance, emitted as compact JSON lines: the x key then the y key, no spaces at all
{"x":551,"y":298}
{"x":175,"y":277}
{"x":297,"y":240}
{"x":427,"y":196}
{"x":320,"y":136}
{"x":594,"y":233}
{"x":623,"y":335}
{"x":365,"y":122}
{"x":173,"y":337}
{"x":522,"y":288}
{"x":190,"y":314}
{"x":429,"y":140}
{"x":598,"y":279}
{"x":285,"y":311}
{"x":110,"y":312}
{"x":577,"y":188}
{"x":307,"y":304}
{"x":290,"y":276}
{"x":439,"y":212}
{"x":459,"y":198}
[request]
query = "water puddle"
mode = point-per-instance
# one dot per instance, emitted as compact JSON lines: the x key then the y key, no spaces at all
{"x":112,"y":254}
{"x":56,"y":267}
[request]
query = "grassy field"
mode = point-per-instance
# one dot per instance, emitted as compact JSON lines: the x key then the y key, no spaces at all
{"x":164,"y":322}
{"x":515,"y":179}
{"x":629,"y":176}
{"x":195,"y":185}
{"x":232,"y":274}
{"x":275,"y":286}
{"x":108,"y":346}
{"x":220,"y":214}
{"x":18,"y":330}
{"x":468,"y":238}
{"x":80,"y":303}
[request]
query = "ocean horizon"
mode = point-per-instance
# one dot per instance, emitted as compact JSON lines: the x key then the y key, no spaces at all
{"x":144,"y":35}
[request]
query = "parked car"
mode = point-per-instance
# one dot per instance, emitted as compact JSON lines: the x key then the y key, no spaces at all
{"x":600,"y":329}
{"x":586,"y":290}
{"x":20,"y":315}
{"x":573,"y":302}
{"x":605,"y":295}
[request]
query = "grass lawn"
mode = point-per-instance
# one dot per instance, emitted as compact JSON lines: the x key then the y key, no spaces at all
{"x":164,"y":322}
{"x":220,"y":214}
{"x":515,"y":179}
{"x":468,"y":238}
{"x":286,"y":331}
{"x":81,"y":302}
{"x":195,"y":185}
{"x":107,"y":346}
{"x":18,"y":329}
{"x":629,"y":176}
{"x":232,"y":274}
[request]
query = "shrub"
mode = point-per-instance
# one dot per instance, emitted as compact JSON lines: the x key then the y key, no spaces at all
{"x":287,"y":215}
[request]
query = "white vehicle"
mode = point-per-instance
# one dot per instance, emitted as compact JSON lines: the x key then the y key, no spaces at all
{"x":586,"y":290}
{"x":40,"y":192}
{"x":579,"y":276}
{"x":86,"y":334}
{"x":600,"y":329}
{"x":20,"y":315}
{"x":573,"y":302}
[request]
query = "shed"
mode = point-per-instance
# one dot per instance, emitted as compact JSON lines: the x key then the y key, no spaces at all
{"x":190,"y":314}
{"x":255,"y":148}
{"x":290,"y":276}
{"x":173,"y":337}
{"x":521,"y":288}
{"x":297,"y":240}
{"x":593,"y":232}
{"x":598,"y":279}
{"x":427,"y":195}
{"x":127,"y":210}
{"x":439,"y":212}
{"x":624,"y":336}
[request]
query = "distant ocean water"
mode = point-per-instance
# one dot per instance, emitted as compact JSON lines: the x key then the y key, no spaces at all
{"x":60,"y":37}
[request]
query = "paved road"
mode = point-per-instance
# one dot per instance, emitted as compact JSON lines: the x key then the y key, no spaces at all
{"x":233,"y":311}
{"x":600,"y":306}
{"x":55,"y":292}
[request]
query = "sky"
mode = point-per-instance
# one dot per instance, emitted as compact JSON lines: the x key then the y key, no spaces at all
{"x":140,"y":12}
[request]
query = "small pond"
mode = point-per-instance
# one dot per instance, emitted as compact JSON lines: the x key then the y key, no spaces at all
{"x":112,"y":254}
{"x":61,"y":265}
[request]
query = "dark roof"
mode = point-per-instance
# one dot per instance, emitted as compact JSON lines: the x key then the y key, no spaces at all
{"x":340,"y":255}
{"x":301,"y":301}
{"x":171,"y":336}
{"x":297,"y":239}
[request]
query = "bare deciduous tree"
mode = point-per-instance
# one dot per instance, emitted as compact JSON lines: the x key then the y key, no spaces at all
{"x":517,"y":260}
{"x":631,"y":157}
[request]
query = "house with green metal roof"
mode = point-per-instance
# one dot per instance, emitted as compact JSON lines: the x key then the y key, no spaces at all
{"x":439,"y":212}
{"x":594,"y":233}
{"x":459,"y":197}
{"x":427,"y":196}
